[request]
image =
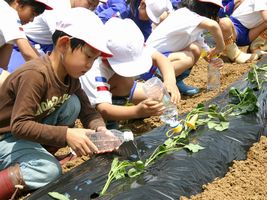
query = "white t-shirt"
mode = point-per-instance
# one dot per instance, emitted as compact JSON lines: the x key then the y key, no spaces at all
{"x":10,"y":25}
{"x":43,"y":26}
{"x":95,"y":81}
{"x":177,"y":31}
{"x":248,"y":13}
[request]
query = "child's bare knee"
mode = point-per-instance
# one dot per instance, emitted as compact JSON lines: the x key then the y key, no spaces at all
{"x":225,"y":23}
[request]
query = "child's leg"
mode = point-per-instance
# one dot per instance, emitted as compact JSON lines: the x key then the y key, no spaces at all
{"x":233,"y":30}
{"x":120,"y":87}
{"x":66,"y":115}
{"x":36,"y":167}
{"x":138,"y":94}
{"x":185,"y":59}
{"x":183,"y":62}
{"x":258,"y":39}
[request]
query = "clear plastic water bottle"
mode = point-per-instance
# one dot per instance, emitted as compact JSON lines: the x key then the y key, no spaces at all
{"x":155,"y":89}
{"x":110,"y":139}
{"x":38,"y":48}
{"x":213,"y":79}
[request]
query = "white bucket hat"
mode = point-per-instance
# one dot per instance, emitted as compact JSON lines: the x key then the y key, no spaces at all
{"x":217,"y":2}
{"x":126,"y":42}
{"x":155,"y":8}
{"x":45,"y":2}
{"x":83,"y":24}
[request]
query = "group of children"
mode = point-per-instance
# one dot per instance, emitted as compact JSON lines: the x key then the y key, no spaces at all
{"x":93,"y":54}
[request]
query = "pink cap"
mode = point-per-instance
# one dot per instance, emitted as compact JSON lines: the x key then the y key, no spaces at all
{"x":83,"y":24}
{"x":45,"y":2}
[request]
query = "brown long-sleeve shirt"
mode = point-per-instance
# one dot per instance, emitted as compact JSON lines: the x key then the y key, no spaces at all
{"x":31,"y":93}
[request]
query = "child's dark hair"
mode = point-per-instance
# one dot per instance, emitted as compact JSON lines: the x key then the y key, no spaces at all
{"x":132,"y":6}
{"x":38,"y":7}
{"x":74,"y":42}
{"x":206,"y":9}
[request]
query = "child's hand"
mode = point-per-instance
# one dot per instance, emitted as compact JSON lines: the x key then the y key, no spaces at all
{"x":174,"y":91}
{"x":79,"y":142}
{"x":149,"y":108}
{"x":101,"y":128}
{"x":218,"y":63}
{"x":215,"y":51}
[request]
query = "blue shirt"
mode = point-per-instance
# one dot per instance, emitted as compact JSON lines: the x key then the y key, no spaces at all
{"x":228,"y":8}
{"x":119,"y":8}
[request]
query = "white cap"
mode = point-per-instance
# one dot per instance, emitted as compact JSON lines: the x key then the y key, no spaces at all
{"x":217,"y":2}
{"x":45,"y":2}
{"x":83,"y":24}
{"x":126,"y":42}
{"x":128,"y":135}
{"x":155,"y":8}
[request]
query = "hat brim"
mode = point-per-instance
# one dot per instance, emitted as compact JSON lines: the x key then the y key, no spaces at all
{"x":47,"y":6}
{"x":151,"y":16}
{"x":104,"y":2}
{"x":133,"y":68}
{"x":104,"y":50}
{"x":211,"y":1}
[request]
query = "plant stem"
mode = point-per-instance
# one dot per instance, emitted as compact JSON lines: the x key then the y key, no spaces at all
{"x":111,"y":176}
{"x":257,"y":78}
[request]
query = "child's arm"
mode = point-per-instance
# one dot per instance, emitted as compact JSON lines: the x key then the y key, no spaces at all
{"x":215,"y":30}
{"x":5,"y":54}
{"x":145,"y":108}
{"x":27,"y":50}
{"x":168,"y":74}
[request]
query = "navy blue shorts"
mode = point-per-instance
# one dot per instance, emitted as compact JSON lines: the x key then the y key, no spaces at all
{"x":242,"y":33}
{"x":149,"y":74}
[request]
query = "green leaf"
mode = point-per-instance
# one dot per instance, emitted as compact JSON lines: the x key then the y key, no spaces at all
{"x":134,"y":172}
{"x":162,"y":148}
{"x":250,"y":75}
{"x":57,"y":195}
{"x":193,"y":147}
{"x":115,"y":163}
{"x":212,"y":124}
{"x":183,"y":135}
{"x":168,"y":141}
{"x":121,"y":172}
{"x":213,"y":115}
{"x":213,"y":107}
{"x":222,"y":126}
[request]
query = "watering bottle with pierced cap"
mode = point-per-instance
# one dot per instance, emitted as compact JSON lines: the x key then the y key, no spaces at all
{"x":213,"y":73}
{"x":110,"y":139}
{"x":155,"y":89}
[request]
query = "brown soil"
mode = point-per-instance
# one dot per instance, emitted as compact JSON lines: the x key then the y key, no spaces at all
{"x":245,"y":180}
{"x":252,"y":176}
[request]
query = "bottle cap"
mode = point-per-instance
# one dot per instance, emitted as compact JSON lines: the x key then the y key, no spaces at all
{"x":174,"y":124}
{"x":204,"y":54}
{"x":128,"y":135}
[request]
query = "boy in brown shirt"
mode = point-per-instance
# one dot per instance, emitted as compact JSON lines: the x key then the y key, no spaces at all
{"x":43,"y":98}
